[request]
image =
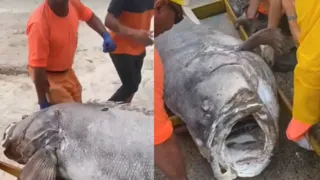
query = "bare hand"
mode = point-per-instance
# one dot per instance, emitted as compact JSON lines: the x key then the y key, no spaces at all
{"x":144,"y":37}
{"x":242,"y":20}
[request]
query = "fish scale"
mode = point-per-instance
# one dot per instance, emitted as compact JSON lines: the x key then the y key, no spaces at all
{"x":97,"y":141}
{"x":220,"y":83}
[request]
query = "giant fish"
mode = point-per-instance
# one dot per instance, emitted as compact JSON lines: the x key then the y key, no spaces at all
{"x":74,"y":141}
{"x":225,"y":93}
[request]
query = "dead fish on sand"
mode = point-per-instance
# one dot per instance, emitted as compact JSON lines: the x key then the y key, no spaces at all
{"x":83,"y":141}
{"x":225,"y":93}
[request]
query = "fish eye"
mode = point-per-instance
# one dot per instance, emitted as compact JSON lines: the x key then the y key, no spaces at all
{"x":4,"y":136}
{"x":6,"y":132}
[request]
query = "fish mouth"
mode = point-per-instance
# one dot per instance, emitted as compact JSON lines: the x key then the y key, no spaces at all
{"x":243,"y":148}
{"x":244,"y":145}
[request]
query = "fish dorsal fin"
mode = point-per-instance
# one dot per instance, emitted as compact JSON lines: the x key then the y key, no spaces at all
{"x":41,"y":166}
{"x":270,"y":36}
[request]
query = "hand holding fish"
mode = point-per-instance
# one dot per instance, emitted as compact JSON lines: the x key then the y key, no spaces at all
{"x":143,"y":37}
{"x":44,"y":105}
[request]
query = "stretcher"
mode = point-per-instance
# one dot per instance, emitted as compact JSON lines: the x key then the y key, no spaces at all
{"x":14,"y":171}
{"x":220,"y":11}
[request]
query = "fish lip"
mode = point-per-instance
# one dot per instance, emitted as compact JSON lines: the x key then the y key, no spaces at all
{"x":7,"y":134}
{"x":217,"y":144}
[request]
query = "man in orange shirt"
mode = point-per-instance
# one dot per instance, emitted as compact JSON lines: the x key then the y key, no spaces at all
{"x":52,"y":31}
{"x":129,"y":22}
{"x":168,"y":156}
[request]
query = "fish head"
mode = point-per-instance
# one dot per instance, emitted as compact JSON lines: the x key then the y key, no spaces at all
{"x":242,"y":131}
{"x":8,"y":140}
{"x":233,"y":125}
{"x":23,"y":138}
{"x":7,"y":134}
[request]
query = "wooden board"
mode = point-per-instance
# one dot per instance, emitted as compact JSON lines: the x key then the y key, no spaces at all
{"x":8,"y":169}
{"x":208,"y":9}
{"x":193,"y":4}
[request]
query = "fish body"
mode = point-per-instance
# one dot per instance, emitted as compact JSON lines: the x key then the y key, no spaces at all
{"x":83,"y":141}
{"x":226,"y":96}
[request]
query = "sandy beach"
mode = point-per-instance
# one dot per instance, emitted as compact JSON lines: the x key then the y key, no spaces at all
{"x":100,"y":80}
{"x":93,"y":67}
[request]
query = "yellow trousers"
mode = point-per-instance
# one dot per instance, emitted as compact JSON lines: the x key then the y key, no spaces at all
{"x":306,"y":99}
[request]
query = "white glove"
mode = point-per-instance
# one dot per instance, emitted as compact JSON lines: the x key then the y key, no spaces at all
{"x":304,"y":143}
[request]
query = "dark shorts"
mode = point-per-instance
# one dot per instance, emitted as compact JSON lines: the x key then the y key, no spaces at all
{"x":129,"y":70}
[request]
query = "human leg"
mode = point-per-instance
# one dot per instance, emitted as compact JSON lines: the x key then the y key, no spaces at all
{"x":125,"y":66}
{"x":306,"y":104}
{"x":75,"y":88}
{"x":137,"y":76}
{"x":169,"y":159}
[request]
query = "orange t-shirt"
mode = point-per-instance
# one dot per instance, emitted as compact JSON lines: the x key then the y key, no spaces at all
{"x":52,"y":40}
{"x":135,"y":14}
{"x":264,"y":7}
{"x":162,"y":125}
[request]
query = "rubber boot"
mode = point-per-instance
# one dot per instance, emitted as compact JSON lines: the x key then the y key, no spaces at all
{"x":314,"y":138}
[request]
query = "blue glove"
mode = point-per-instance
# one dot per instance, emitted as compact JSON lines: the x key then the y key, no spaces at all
{"x":108,"y":44}
{"x":44,"y":105}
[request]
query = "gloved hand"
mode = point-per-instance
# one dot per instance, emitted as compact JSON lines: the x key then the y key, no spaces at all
{"x":108,"y":44}
{"x":44,"y":105}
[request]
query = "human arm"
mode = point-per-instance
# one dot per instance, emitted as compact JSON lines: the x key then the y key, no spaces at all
{"x":274,"y":13}
{"x":42,"y":86}
{"x":96,"y":24}
{"x":85,"y":14}
{"x":38,"y":49}
{"x":289,"y":9}
{"x":111,"y":21}
{"x":251,"y":11}
{"x":167,"y":153}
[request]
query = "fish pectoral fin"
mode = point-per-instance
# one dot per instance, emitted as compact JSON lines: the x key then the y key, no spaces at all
{"x":269,"y":36}
{"x":41,"y":166}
